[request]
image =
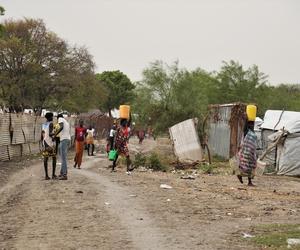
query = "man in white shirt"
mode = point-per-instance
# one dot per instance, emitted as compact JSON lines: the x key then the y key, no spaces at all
{"x":65,"y":139}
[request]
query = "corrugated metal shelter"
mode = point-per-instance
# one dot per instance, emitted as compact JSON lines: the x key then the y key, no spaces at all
{"x":226,"y":124}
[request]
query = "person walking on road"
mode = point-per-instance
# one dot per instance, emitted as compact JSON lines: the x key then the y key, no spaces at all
{"x":112,"y":133}
{"x":141,"y":136}
{"x":80,"y":133}
{"x":65,"y":138}
{"x":247,"y":155}
{"x":121,"y":144}
{"x":48,"y":145}
{"x":90,"y":140}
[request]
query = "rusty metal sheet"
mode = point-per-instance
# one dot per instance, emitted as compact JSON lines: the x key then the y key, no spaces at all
{"x":186,"y":141}
{"x":226,"y":129}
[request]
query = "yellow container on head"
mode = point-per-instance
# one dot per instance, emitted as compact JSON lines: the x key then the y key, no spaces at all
{"x":124,"y":111}
{"x":251,"y":112}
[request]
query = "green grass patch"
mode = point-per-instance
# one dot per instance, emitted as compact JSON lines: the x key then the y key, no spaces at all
{"x":221,"y":167}
{"x":218,"y":158}
{"x":207,"y":168}
{"x":274,"y":236}
{"x":140,"y":160}
{"x":155,"y":163}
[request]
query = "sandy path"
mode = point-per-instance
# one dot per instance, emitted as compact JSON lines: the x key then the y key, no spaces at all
{"x":73,"y":214}
{"x":133,"y":216}
{"x":96,"y":209}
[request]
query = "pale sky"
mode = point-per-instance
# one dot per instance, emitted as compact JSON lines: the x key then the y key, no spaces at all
{"x":128,"y":34}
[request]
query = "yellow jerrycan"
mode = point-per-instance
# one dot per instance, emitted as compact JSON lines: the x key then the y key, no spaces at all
{"x":124,"y":111}
{"x":251,"y":112}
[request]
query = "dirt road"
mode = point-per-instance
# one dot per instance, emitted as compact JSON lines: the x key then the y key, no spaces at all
{"x":96,"y":209}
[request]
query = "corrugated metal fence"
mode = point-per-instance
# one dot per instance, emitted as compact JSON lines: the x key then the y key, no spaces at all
{"x":100,"y":122}
{"x":226,"y":123}
{"x":20,"y":134}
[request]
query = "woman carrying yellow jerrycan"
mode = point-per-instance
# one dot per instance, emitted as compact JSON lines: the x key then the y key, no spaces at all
{"x":247,"y":153}
{"x":121,"y":139}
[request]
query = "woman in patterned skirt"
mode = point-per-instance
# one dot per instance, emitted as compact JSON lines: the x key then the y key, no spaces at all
{"x":247,"y":155}
{"x":121,"y":144}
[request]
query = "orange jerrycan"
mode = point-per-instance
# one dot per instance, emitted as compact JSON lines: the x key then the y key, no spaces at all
{"x":251,"y":112}
{"x":124,"y":111}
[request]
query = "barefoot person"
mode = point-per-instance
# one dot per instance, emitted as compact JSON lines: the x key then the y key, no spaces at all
{"x":48,"y":145}
{"x":247,"y":155}
{"x":80,"y":133}
{"x":65,"y":138}
{"x":121,"y":144}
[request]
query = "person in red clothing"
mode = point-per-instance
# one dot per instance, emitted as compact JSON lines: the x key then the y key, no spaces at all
{"x":80,"y":134}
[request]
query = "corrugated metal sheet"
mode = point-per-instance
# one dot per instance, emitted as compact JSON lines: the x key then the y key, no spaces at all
{"x":16,"y":125}
{"x":186,"y":141}
{"x":4,"y":130}
{"x":4,"y":153}
{"x":34,"y":147}
{"x":101,"y":123}
{"x":14,"y":151}
{"x":26,"y":134}
{"x":38,"y":128}
{"x":26,"y":149}
{"x":226,"y":124}
{"x":28,"y":128}
{"x":219,"y":139}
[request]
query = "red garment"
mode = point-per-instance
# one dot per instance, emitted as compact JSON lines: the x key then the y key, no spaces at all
{"x":80,"y":133}
{"x":126,"y":131}
{"x":121,"y":141}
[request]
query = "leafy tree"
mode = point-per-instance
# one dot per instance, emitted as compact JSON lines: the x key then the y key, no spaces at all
{"x":2,"y":11}
{"x":169,"y":94}
{"x":38,"y":69}
{"x":119,"y":89}
{"x":239,"y":85}
{"x":156,"y":92}
{"x":283,"y":97}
